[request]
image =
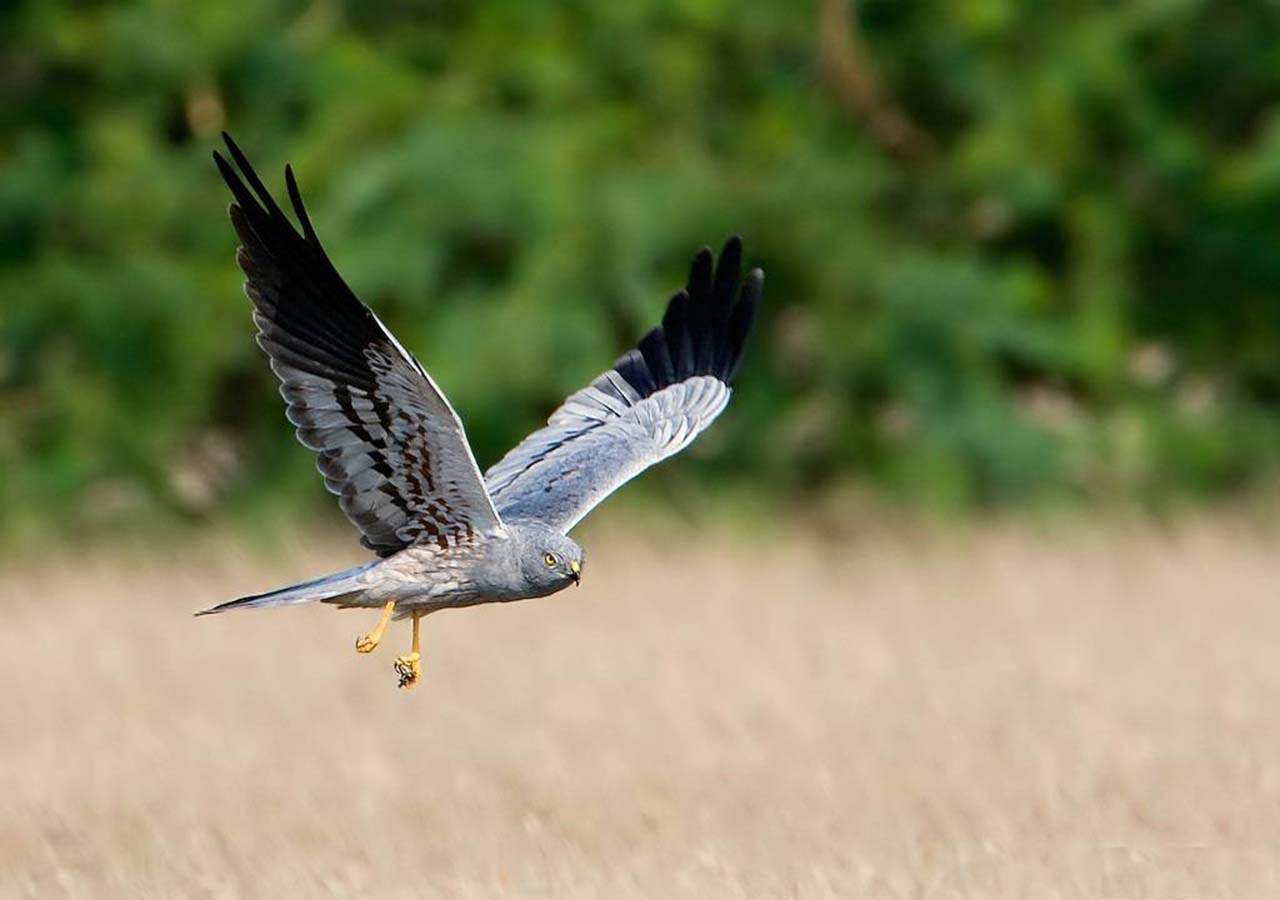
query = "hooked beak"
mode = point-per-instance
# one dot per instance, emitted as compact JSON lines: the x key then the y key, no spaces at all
{"x":575,"y":572}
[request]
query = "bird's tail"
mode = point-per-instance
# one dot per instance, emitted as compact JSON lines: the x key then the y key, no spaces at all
{"x":330,"y":587}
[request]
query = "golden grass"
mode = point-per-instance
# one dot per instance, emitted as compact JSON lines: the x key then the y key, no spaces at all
{"x":1079,"y":713}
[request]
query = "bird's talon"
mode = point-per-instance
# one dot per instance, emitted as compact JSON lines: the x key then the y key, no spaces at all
{"x":409,"y":668}
{"x":369,"y":642}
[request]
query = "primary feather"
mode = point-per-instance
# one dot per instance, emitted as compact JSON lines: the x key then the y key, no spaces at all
{"x":388,"y":442}
{"x":655,"y":400}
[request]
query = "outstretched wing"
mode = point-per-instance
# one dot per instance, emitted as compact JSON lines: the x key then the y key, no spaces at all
{"x":389,"y":444}
{"x":654,"y":401}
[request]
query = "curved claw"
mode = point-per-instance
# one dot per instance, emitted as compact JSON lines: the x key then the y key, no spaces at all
{"x":409,"y":668}
{"x":369,"y":642}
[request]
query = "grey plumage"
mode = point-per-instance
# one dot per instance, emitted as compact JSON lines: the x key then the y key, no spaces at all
{"x":332,"y":588}
{"x":653,"y":402}
{"x":391,"y":447}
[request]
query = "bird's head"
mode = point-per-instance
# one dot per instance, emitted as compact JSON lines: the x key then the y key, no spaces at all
{"x":549,"y":560}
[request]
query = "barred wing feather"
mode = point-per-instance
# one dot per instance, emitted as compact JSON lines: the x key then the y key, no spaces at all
{"x":388,"y":443}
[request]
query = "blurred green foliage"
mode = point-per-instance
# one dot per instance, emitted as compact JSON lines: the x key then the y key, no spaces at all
{"x":1016,"y":252}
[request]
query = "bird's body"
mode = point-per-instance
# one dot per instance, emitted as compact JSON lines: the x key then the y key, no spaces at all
{"x":393,"y":450}
{"x":424,"y":578}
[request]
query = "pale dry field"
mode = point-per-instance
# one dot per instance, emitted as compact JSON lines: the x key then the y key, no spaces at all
{"x":1080,"y":712}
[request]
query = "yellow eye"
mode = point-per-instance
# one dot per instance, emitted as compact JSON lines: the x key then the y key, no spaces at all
{"x":549,"y":559}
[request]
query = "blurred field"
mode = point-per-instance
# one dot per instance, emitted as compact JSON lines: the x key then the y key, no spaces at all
{"x":1073,"y":712}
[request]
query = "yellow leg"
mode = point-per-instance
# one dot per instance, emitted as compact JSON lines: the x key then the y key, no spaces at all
{"x":409,"y":666}
{"x":369,"y":642}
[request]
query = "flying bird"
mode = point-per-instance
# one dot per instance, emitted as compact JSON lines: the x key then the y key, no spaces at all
{"x":394,"y":452}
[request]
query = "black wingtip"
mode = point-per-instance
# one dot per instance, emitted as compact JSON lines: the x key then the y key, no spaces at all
{"x":243,"y":199}
{"x":251,"y":176}
{"x":729,"y":265}
{"x":752,"y":289}
{"x":705,"y":326}
{"x":299,"y":210}
{"x":224,"y":169}
{"x":730,"y":262}
{"x":698,"y":284}
{"x":234,"y":149}
{"x":740,"y":321}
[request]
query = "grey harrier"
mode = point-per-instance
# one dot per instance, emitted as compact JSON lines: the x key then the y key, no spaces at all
{"x":393,"y":450}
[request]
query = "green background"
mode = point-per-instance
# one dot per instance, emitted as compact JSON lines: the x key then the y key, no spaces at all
{"x":1017,"y":253}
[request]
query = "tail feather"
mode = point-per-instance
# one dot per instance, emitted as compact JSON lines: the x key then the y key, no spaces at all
{"x":328,"y":587}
